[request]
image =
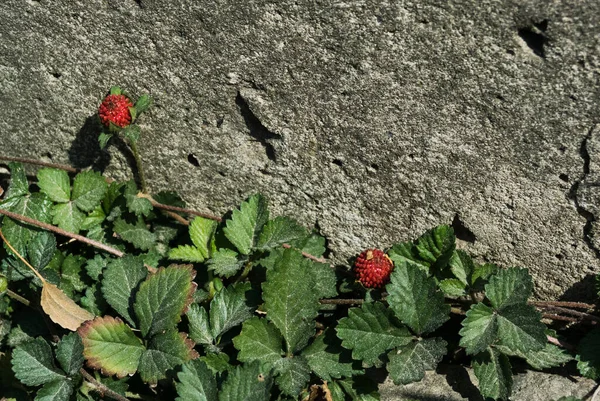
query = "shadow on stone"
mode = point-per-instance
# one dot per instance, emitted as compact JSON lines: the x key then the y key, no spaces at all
{"x":458,"y":378}
{"x":85,"y":150}
{"x":582,"y":291}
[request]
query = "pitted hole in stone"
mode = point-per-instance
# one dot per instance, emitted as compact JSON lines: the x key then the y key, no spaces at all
{"x":375,"y":166}
{"x":535,"y":38}
{"x":56,"y":74}
{"x":559,"y":256}
{"x":564,"y":177}
{"x":562,"y":149}
{"x":338,"y":162}
{"x":193,"y":160}
{"x":461,"y":231}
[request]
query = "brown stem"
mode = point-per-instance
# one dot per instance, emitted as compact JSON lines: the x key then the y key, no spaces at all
{"x":579,"y":305}
{"x":342,"y":301}
{"x":19,"y":298}
{"x":552,"y":316}
{"x":62,"y":232}
{"x":307,"y":255}
{"x":101,"y":388}
{"x":179,"y":209}
{"x":582,"y":315}
{"x":560,"y":343}
{"x":40,"y":163}
{"x":457,"y":311}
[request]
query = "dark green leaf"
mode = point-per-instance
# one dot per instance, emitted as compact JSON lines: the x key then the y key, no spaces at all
{"x":436,"y":246}
{"x":452,"y":287}
{"x":71,"y":272}
{"x":89,"y":189}
{"x":550,"y":356}
{"x":292,"y":374}
{"x":415,"y":299}
{"x":360,"y":388}
{"x":462,"y":266}
{"x":186,"y":253}
{"x":520,"y":328}
{"x":142,"y":104}
{"x":19,"y":185}
{"x":94,"y":267}
{"x":55,"y":183}
{"x":201,"y":231}
{"x":246,"y":383}
{"x":103,"y":139}
{"x":163,"y":297}
{"x":229,"y":307}
{"x":259,"y":341}
{"x":494,"y":374}
{"x":68,"y":217}
{"x":481,"y":275}
{"x":327,"y":358}
{"x":69,"y":353}
{"x":138,"y":205}
{"x":246,"y":223}
{"x":199,"y":325}
{"x":41,"y":249}
{"x":36,"y":206}
{"x":588,"y":355}
{"x":58,"y":390}
{"x":279,"y":231}
{"x":509,"y":287}
{"x":121,"y":278}
{"x":313,"y":244}
{"x":165,"y":351}
{"x":139,"y":236}
{"x":32,"y":363}
{"x":132,"y":132}
{"x":93,"y":218}
{"x":409,"y":362}
{"x":196,"y":382}
{"x":371,"y":330}
{"x":217,"y":363}
{"x":225,"y":262}
{"x":480,"y":329}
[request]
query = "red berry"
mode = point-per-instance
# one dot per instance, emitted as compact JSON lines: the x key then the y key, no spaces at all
{"x":373,"y":268}
{"x":115,"y":109}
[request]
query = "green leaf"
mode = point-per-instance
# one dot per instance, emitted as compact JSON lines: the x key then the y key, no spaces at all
{"x":165,"y":352}
{"x":327,"y":359}
{"x":407,"y":251}
{"x":139,"y":206}
{"x":142,"y":104}
{"x":19,"y":186}
{"x":201,"y":231}
{"x":225,"y":262}
{"x":37,"y":206}
{"x":68,"y":217}
{"x":196,"y":382}
{"x":163,"y":297}
{"x":415,"y":300}
{"x":94,"y":267}
{"x":480,"y":329}
{"x":292,"y":375}
{"x":59,"y":390}
{"x":279,"y":231}
{"x":121,"y":278}
{"x":313,"y":244}
{"x":93,"y":219}
{"x":110,"y":345}
{"x":371,"y":330}
{"x":259,"y":341}
{"x":55,"y":183}
{"x":217,"y":363}
{"x":290,"y":300}
{"x":509,"y":287}
{"x":89,"y":189}
{"x":436,"y":246}
{"x":41,"y":249}
{"x":493,"y":371}
{"x":103,"y":139}
{"x":520,"y":328}
{"x":550,"y":356}
{"x":360,"y":388}
{"x":132,"y":132}
{"x":230,"y":307}
{"x":69,"y":353}
{"x":32,"y":363}
{"x":139,"y":236}
{"x":452,"y":287}
{"x":246,"y":383}
{"x":71,"y":271}
{"x":481,"y":274}
{"x":187,"y":253}
{"x":588,"y":355}
{"x":409,"y":363}
{"x":246,"y":223}
{"x":199,"y":325}
{"x":462,"y":266}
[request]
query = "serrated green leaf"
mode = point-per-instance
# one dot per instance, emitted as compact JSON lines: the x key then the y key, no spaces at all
{"x":71,"y":271}
{"x":93,"y":218}
{"x":370,"y":331}
{"x":290,"y":300}
{"x":95,"y":266}
{"x":199,"y":324}
{"x":139,"y":236}
{"x":259,"y":341}
{"x":509,"y":287}
{"x":313,"y":244}
{"x":37,"y":206}
{"x":588,"y":355}
{"x":247,"y":383}
{"x":89,"y":189}
{"x":58,"y":390}
{"x":19,"y":186}
{"x":452,"y":287}
{"x":409,"y":362}
{"x":436,"y":246}
{"x":201,"y":231}
{"x":138,"y":205}
{"x":360,"y":388}
{"x":69,"y":353}
{"x":196,"y":382}
{"x":121,"y":278}
{"x":165,"y":351}
{"x":323,"y":277}
{"x":41,"y":249}
{"x":230,"y":307}
{"x":186,"y":253}
{"x":93,"y":301}
{"x":217,"y":363}
{"x":68,"y":217}
{"x":480,"y":329}
{"x":246,"y":223}
{"x":461,"y":266}
{"x":493,"y":371}
{"x":520,"y":328}
{"x":292,"y":374}
{"x":415,"y":300}
{"x":132,"y":132}
{"x":163,"y":297}
{"x":225,"y":262}
{"x":55,"y":183}
{"x":327,"y":359}
{"x":548,"y":357}
{"x":32,"y":363}
{"x":407,"y":251}
{"x":279,"y":231}
{"x":142,"y":104}
{"x":482,"y":273}
{"x":103,"y":139}
{"x":110,"y":345}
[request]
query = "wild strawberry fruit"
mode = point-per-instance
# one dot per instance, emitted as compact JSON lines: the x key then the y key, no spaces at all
{"x":115,"y":109}
{"x":373,"y":268}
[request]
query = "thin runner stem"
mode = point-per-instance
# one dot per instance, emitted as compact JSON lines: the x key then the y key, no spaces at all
{"x":40,"y":163}
{"x":101,"y":388}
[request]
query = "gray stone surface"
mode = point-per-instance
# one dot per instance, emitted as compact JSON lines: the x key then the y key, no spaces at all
{"x":375,"y":120}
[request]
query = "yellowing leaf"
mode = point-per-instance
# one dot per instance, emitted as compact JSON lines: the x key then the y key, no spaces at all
{"x":62,"y":309}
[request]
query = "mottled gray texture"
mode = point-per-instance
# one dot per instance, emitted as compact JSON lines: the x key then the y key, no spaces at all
{"x":373,"y":119}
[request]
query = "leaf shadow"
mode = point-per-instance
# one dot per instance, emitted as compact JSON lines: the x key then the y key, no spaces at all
{"x":458,"y":378}
{"x":85,"y":150}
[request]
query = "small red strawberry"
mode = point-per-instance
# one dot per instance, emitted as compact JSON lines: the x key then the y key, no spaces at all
{"x":115,"y":109}
{"x":373,"y":268}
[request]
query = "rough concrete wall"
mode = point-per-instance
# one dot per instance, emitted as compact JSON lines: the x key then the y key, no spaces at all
{"x":374,"y":120}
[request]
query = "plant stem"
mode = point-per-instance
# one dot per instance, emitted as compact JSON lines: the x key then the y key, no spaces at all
{"x":580,"y":305}
{"x":582,"y":315}
{"x":342,"y":301}
{"x":62,"y":232}
{"x":307,"y":255}
{"x":560,"y":343}
{"x":179,"y":209}
{"x":19,"y":298}
{"x":40,"y":163}
{"x":140,"y":168}
{"x":101,"y":388}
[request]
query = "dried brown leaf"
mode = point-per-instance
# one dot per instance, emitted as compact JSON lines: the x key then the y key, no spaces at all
{"x":62,"y":309}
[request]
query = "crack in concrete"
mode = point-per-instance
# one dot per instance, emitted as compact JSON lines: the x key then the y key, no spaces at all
{"x":256,"y":128}
{"x":573,"y":194}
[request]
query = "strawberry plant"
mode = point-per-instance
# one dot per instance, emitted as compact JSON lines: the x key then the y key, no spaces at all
{"x":109,"y":291}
